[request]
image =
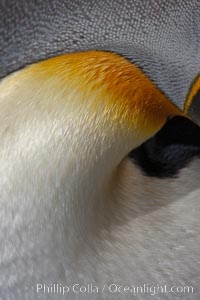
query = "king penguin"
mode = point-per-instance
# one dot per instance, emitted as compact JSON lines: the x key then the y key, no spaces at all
{"x":100,"y":148}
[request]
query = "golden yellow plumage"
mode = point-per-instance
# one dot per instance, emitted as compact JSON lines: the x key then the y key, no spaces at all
{"x":195,"y":86}
{"x":111,"y":81}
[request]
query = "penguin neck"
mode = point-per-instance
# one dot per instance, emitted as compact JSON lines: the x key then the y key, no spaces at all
{"x":62,"y":155}
{"x":69,"y":123}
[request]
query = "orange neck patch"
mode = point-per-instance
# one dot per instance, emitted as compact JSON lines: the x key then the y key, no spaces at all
{"x":192,"y":92}
{"x":116,"y":82}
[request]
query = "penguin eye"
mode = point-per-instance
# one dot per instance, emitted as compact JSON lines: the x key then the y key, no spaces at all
{"x":170,"y":150}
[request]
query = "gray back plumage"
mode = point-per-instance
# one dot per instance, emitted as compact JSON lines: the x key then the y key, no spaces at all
{"x":161,"y":37}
